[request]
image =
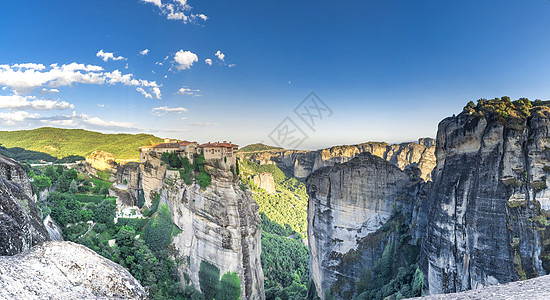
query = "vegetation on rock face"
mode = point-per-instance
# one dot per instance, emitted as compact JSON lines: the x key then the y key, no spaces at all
{"x":511,"y":114}
{"x":396,"y":273}
{"x":159,"y":230}
{"x":61,"y":143}
{"x":188,"y":172}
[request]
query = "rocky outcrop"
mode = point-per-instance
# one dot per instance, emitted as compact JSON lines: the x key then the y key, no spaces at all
{"x":265,"y":181}
{"x":347,"y":207}
{"x":219,"y":225}
{"x":101,"y":161}
{"x":54,"y":231}
{"x":20,"y":223}
{"x":64,"y":270}
{"x":489,"y":200}
{"x":536,"y":288}
{"x":152,"y":173}
{"x":128,"y":174}
{"x":14,"y":172}
{"x":303,"y":163}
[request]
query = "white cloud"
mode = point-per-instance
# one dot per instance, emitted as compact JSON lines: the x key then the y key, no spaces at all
{"x":232,"y":65}
{"x":30,"y":66}
{"x":160,"y":111}
{"x":156,"y":91}
{"x":26,"y":80}
{"x":177,"y":10}
{"x":220,"y":55}
{"x":155,"y":2}
{"x":10,"y":118}
{"x":48,"y":91}
{"x":208,"y":61}
{"x":185,"y":59}
{"x":84,"y":121}
{"x":144,"y":52}
{"x":101,"y":105}
{"x":144,"y":93}
{"x":204,"y":124}
{"x":189,"y":92}
{"x":108,"y":55}
{"x":31,"y":103}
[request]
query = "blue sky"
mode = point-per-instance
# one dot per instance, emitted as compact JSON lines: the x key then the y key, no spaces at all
{"x":388,"y":70}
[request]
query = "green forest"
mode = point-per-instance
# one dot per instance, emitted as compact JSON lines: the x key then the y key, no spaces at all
{"x":286,"y":207}
{"x":61,"y":143}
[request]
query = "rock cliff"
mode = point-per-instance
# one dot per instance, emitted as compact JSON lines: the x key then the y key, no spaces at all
{"x":265,"y":181}
{"x":20,"y":224}
{"x":354,"y":212}
{"x":14,"y":172}
{"x":219,"y":225}
{"x":151,"y":175}
{"x":64,"y":270}
{"x":100,"y":161}
{"x":489,"y":200}
{"x":483,"y":220}
{"x":303,"y":163}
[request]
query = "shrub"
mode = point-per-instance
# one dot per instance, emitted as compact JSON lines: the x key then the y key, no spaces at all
{"x":105,"y":212}
{"x":140,"y":198}
{"x":209,"y":279}
{"x":158,"y":231}
{"x":204,"y":180}
{"x":230,"y":287}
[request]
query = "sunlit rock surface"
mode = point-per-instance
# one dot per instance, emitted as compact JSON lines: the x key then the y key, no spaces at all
{"x":303,"y":163}
{"x":488,"y":201}
{"x":65,"y":270}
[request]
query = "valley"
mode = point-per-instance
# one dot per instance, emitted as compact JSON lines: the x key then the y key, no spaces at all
{"x":367,"y":221}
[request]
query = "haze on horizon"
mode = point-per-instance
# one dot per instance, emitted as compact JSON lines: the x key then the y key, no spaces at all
{"x":218,"y":70}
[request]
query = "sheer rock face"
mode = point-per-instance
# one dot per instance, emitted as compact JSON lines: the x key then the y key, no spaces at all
{"x":65,"y":270}
{"x":14,"y":172}
{"x":54,"y":231}
{"x":489,"y":186}
{"x":265,"y":181}
{"x":303,"y":163}
{"x":348,"y":203}
{"x":20,"y":224}
{"x":219,"y":225}
{"x":151,"y":174}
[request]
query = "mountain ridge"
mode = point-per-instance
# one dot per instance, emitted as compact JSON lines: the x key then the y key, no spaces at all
{"x":60,"y":142}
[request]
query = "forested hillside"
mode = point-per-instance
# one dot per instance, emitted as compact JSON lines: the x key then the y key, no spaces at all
{"x":285,"y":257}
{"x":60,"y":143}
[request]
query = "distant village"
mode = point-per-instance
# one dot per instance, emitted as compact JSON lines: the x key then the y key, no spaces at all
{"x":217,"y":150}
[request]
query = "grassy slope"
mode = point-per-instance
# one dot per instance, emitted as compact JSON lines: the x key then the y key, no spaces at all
{"x":63,"y":142}
{"x":258,"y":147}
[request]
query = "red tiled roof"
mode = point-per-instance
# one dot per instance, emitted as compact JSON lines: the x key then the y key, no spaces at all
{"x":164,"y":145}
{"x":184,"y":143}
{"x":218,"y":145}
